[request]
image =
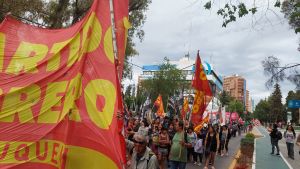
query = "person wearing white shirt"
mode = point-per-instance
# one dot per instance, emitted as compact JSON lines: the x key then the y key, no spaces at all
{"x":290,"y":137}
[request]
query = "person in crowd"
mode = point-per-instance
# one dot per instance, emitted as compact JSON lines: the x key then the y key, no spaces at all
{"x":246,"y":126}
{"x":192,"y":137}
{"x":171,"y":132}
{"x":275,"y":137}
{"x":298,"y":142}
{"x":160,"y":126}
{"x":136,"y":125}
{"x":164,"y":142}
{"x":204,"y":131}
{"x":290,"y":137}
{"x":143,"y":129}
{"x":211,"y":145}
{"x":234,"y":129}
{"x":250,"y":127}
{"x":155,"y":139}
{"x":239,"y":129}
{"x":141,"y":156}
{"x":129,"y":130}
{"x":224,"y":140}
{"x":166,"y":122}
{"x":157,"y":121}
{"x":199,"y":148}
{"x":178,"y":153}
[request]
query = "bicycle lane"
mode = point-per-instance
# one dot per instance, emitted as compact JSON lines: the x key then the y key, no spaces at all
{"x":263,"y":159}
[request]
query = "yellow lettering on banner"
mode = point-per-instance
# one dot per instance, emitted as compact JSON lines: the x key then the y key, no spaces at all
{"x":92,"y":42}
{"x":74,"y":50}
{"x":52,"y":104}
{"x":2,"y":45}
{"x":91,"y":39}
{"x":43,"y":151}
{"x":202,"y":73}
{"x":108,"y":45}
{"x":93,"y":91}
{"x":54,"y":61}
{"x":73,"y":93}
{"x":20,"y":100}
{"x":198,"y":101}
{"x":27,"y":57}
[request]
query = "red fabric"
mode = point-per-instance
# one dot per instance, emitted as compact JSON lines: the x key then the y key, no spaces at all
{"x":70,"y":96}
{"x":203,"y":93}
{"x":121,"y":15}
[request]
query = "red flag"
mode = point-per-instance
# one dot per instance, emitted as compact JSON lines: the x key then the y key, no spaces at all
{"x":203,"y":93}
{"x":160,"y":106}
{"x":122,"y":25}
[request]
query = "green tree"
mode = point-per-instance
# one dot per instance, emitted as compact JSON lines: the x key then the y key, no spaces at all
{"x":276,"y":104}
{"x":277,"y":72}
{"x":167,"y":81}
{"x":224,"y":98}
{"x":290,"y":8}
{"x":236,"y":106}
{"x":262,"y":111}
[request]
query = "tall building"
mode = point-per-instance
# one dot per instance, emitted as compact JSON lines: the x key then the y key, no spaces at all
{"x":248,"y":103}
{"x":236,"y":87}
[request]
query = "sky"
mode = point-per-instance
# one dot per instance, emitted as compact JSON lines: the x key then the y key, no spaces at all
{"x":176,"y":27}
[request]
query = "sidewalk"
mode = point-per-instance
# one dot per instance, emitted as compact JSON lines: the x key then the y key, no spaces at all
{"x":223,"y":162}
{"x":263,"y":158}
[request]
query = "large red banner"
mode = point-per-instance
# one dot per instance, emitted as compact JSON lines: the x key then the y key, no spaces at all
{"x":58,"y":100}
{"x":202,"y":92}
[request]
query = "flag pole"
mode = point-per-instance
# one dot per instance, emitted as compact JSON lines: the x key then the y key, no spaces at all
{"x":115,"y":51}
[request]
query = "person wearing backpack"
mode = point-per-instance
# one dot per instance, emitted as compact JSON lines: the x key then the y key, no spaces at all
{"x":142,"y":157}
{"x":290,"y":137}
{"x":275,"y":137}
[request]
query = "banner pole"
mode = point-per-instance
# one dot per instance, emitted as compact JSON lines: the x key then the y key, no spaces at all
{"x":115,"y":51}
{"x":113,"y":30}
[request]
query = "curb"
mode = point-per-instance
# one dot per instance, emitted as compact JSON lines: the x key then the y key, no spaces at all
{"x":257,"y":135}
{"x":254,"y":155}
{"x":234,"y":161}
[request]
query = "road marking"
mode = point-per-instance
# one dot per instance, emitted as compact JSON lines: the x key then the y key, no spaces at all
{"x":287,"y":163}
{"x":254,"y":155}
{"x":254,"y":152}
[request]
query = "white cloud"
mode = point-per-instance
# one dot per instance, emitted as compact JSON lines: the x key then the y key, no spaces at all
{"x":175,"y":27}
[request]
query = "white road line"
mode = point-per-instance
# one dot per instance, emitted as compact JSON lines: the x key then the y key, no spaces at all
{"x":254,"y":152}
{"x":287,"y":163}
{"x":254,"y":155}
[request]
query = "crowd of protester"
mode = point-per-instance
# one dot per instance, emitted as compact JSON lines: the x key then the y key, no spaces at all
{"x":170,"y":143}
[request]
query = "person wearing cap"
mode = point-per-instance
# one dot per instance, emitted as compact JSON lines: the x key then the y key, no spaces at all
{"x":141,"y":156}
